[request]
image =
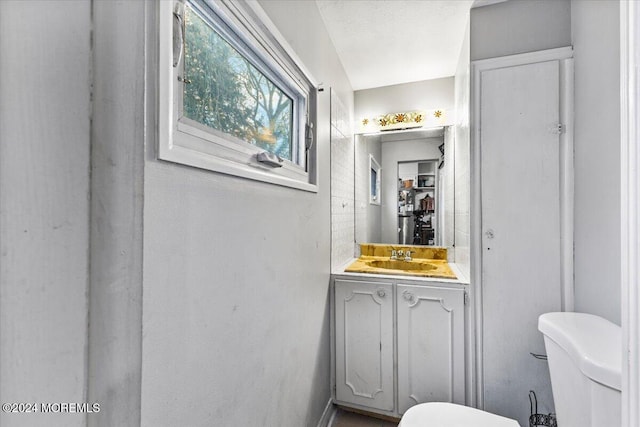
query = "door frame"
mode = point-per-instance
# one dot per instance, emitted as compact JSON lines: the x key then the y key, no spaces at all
{"x":565,"y":56}
{"x":629,"y":209}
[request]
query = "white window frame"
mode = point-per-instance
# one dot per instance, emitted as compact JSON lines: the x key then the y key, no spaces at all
{"x":181,"y":140}
{"x":375,"y":166}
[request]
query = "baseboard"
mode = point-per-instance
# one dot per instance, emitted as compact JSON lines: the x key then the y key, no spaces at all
{"x":327,"y":415}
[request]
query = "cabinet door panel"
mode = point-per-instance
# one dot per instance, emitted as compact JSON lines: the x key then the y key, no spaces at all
{"x":521,"y":236}
{"x":430,"y":345}
{"x":364,"y":343}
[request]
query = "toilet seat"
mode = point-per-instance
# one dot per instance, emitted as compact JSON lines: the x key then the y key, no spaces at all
{"x":440,"y":414}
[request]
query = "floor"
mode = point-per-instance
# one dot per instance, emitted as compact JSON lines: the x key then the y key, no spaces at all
{"x":349,"y":419}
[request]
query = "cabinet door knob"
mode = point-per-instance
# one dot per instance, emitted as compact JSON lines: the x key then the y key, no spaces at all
{"x":408,"y":296}
{"x":381,"y":293}
{"x":490,"y":234}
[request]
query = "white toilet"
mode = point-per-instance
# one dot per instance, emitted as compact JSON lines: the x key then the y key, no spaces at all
{"x":585,"y":362}
{"x":440,"y":414}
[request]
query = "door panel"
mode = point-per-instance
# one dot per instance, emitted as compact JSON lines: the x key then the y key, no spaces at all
{"x":521,"y":276}
{"x":364,"y":343}
{"x":430,"y":345}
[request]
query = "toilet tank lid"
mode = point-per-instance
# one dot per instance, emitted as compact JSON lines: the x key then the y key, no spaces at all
{"x":594,"y":344}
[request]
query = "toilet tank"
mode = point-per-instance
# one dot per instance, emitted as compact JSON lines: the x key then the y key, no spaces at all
{"x":585,"y":362}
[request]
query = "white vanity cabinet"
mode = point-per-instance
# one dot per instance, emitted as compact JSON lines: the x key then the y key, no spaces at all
{"x":364,"y":343}
{"x":397,"y":344}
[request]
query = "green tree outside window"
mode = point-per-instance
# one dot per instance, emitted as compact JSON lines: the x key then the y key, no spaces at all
{"x":231,"y":95}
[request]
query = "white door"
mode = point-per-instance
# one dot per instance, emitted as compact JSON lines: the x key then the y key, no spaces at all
{"x":364,"y":343}
{"x":521,"y":276}
{"x":430,"y":345}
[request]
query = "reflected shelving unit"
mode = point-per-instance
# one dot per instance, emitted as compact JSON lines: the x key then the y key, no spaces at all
{"x":417,"y":196}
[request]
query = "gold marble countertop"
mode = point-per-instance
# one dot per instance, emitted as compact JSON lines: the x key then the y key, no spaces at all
{"x":426,"y":261}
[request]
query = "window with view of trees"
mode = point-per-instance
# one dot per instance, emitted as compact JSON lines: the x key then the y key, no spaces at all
{"x":228,"y":93}
{"x":233,"y":95}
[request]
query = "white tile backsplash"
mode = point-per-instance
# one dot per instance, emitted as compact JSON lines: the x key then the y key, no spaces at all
{"x":462,"y":221}
{"x":342,"y":185}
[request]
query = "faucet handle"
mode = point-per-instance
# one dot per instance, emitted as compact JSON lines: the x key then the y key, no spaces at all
{"x":407,"y":256}
{"x":394,"y":254}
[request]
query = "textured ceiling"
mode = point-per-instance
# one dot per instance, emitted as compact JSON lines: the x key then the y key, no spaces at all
{"x":386,"y":42}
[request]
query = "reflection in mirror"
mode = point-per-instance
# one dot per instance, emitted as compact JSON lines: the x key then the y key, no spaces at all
{"x":415,"y":203}
{"x":374,"y":180}
{"x":417,"y":196}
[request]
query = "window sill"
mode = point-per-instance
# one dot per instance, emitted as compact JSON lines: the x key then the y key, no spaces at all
{"x":253,"y":171}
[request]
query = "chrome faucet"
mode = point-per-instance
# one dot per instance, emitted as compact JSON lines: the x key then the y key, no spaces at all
{"x":407,"y":256}
{"x":400,"y":253}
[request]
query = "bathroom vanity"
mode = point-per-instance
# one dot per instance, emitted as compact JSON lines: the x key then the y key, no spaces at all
{"x":399,"y":341}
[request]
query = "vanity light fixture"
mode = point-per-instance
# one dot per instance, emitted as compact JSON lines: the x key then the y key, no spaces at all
{"x":403,"y":120}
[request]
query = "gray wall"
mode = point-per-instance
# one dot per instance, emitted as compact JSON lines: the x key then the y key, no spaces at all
{"x":596,"y":42}
{"x":235,"y":328}
{"x":593,"y":30}
{"x":422,"y":95}
{"x":592,"y":27}
{"x":236,"y":273}
{"x":519,"y":26}
{"x":45,"y":108}
{"x":117,"y":163}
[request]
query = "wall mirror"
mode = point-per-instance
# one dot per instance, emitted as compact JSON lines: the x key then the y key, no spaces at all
{"x":414,"y":173}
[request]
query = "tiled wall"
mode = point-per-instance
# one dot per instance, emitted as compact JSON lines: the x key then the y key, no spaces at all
{"x":342,"y":185}
{"x":462,"y":162}
{"x":462,"y":202}
{"x":447,"y":175}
